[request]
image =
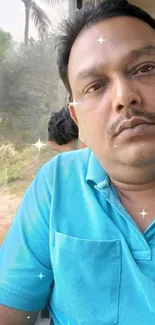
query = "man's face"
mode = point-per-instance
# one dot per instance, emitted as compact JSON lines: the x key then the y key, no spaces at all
{"x":114,"y":82}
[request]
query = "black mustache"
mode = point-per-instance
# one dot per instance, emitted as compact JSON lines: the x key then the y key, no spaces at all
{"x":130,"y":114}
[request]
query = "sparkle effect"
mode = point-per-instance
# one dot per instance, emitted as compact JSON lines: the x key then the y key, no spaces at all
{"x":28,"y":317}
{"x":115,"y":146}
{"x":74,"y":103}
{"x":39,"y":145}
{"x":100,"y":40}
{"x":41,"y":276}
{"x":143,"y":213}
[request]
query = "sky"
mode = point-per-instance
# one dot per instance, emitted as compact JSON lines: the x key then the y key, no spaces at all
{"x":12,"y":17}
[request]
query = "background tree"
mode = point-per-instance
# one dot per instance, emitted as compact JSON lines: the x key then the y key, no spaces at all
{"x":30,"y":92}
{"x":5,"y":43}
{"x":39,"y":17}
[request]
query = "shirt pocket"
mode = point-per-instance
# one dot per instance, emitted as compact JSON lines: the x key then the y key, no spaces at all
{"x":86,"y":279}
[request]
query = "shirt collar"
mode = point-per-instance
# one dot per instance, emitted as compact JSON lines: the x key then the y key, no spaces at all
{"x":95,"y":172}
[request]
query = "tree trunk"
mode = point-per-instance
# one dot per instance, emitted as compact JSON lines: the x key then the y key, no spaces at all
{"x":79,"y":4}
{"x":27,"y":20}
{"x":97,"y":2}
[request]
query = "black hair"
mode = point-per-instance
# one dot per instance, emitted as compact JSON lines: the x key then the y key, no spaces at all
{"x":61,"y":128}
{"x":70,"y":28}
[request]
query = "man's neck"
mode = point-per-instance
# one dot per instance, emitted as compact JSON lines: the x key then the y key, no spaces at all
{"x":139,"y":201}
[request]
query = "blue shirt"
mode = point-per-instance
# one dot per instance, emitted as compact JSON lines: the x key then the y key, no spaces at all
{"x":74,"y":244}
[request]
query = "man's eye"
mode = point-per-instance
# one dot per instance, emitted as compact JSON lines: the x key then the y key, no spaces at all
{"x":143,"y":69}
{"x":94,"y":88}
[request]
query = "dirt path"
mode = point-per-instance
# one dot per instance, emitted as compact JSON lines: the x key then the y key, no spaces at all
{"x":8,"y":206}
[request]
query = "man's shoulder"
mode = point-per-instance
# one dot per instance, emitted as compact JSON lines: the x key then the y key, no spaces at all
{"x":73,"y":167}
{"x":73,"y":160}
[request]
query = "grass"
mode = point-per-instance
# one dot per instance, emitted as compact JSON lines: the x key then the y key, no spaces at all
{"x":19,"y":171}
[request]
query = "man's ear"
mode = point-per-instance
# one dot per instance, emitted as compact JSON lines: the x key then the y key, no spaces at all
{"x":74,"y":117}
{"x":72,"y":113}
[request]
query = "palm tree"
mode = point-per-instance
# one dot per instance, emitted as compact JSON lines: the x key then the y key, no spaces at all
{"x":79,"y":4}
{"x":38,"y":15}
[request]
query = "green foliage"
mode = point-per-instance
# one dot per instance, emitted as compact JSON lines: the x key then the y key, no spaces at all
{"x":21,"y":165}
{"x":5,"y":43}
{"x":29,"y":94}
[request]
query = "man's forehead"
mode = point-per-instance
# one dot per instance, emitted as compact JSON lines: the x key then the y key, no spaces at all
{"x":124,"y":40}
{"x":112,"y":28}
{"x":94,"y":68}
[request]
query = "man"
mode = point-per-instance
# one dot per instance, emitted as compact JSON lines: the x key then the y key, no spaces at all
{"x":62,"y":131}
{"x":83,"y":237}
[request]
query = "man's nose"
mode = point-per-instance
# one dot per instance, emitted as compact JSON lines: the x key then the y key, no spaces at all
{"x":125,"y":94}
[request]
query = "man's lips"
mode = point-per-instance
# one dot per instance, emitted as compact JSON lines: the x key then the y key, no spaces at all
{"x":129,"y":124}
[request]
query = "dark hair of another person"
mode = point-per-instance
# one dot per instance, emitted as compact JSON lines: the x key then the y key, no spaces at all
{"x":90,"y":14}
{"x":61,"y":128}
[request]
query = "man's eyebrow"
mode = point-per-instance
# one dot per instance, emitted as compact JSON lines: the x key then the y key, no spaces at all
{"x":93,"y":71}
{"x":136,"y":53}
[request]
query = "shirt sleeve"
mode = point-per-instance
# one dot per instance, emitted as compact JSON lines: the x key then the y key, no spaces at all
{"x":25,"y":268}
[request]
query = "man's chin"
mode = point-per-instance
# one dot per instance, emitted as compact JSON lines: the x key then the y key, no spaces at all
{"x":139,"y":160}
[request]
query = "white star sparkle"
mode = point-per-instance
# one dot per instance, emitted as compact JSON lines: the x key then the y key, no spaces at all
{"x":100,"y":40}
{"x":143,"y":213}
{"x":39,"y":145}
{"x":74,"y":103}
{"x":28,"y":317}
{"x":41,"y":276}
